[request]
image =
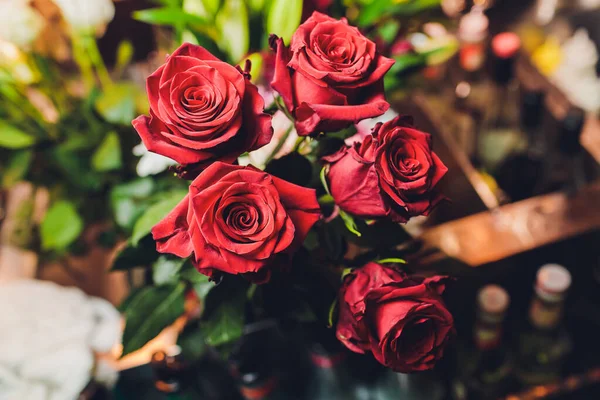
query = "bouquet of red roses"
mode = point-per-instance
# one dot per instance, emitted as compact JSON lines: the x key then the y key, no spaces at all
{"x":312,"y":236}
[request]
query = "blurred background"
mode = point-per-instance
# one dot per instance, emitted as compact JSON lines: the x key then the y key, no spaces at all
{"x":510,"y":91}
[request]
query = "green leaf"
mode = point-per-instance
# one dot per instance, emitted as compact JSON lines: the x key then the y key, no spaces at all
{"x":201,"y":283}
{"x":125,"y":53}
{"x":117,"y":103}
{"x":391,"y":261}
{"x":346,"y":271}
{"x":14,"y":138}
{"x":127,"y":201}
{"x":350,"y":223}
{"x":377,"y":9}
{"x":17,"y":167}
{"x":168,"y":16}
{"x":61,"y":226}
{"x":407,"y":61}
{"x":76,"y":168}
{"x":142,"y":255}
{"x":154,"y":214}
{"x":226,"y":322}
{"x":283,"y":18}
{"x":312,"y":240}
{"x":149,"y":312}
{"x":166,"y":270}
{"x":232,"y":22}
{"x":192,"y":343}
{"x":108,"y":156}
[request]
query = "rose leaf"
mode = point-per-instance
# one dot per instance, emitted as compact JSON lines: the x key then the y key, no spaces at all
{"x":61,"y":226}
{"x":151,"y":310}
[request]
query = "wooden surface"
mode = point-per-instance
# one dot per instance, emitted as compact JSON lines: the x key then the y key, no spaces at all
{"x":515,"y":228}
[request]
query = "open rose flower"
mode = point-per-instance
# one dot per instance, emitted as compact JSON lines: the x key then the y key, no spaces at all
{"x":236,"y":220}
{"x":202,"y":110}
{"x":392,"y":173}
{"x":331,"y":75}
{"x":402,"y":320}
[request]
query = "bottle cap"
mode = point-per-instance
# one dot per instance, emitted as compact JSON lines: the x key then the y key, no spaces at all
{"x":552,"y":282}
{"x":493,"y":299}
{"x":532,"y":108}
{"x":571,"y":128}
{"x":473,"y":27}
{"x":506,"y":45}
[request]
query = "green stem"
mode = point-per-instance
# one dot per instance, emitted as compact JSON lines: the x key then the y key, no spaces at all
{"x":298,"y":144}
{"x":280,"y":144}
{"x":83,"y":61}
{"x":281,"y":106}
{"x":96,"y":58}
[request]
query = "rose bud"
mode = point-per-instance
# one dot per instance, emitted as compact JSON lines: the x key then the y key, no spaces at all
{"x":202,"y":110}
{"x":236,"y":220}
{"x":331,"y":76}
{"x":392,"y":173}
{"x":402,"y":320}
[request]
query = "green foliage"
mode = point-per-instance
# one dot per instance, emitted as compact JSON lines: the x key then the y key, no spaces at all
{"x":17,"y":166}
{"x":142,"y":255}
{"x":13,"y":138}
{"x":128,"y":201}
{"x":350,"y":223}
{"x":283,"y":18}
{"x":154,"y":214}
{"x":201,"y":283}
{"x":379,"y":9}
{"x":117,"y":103}
{"x":233,"y":25}
{"x":108,"y":155}
{"x":166,"y":270}
{"x":61,"y":226}
{"x":167,"y":16}
{"x":226,"y":322}
{"x":149,"y":311}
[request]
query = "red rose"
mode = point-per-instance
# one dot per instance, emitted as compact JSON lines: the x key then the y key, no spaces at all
{"x":236,"y":220}
{"x":393,"y":173}
{"x":202,"y":110}
{"x":331,"y":75}
{"x":402,"y":320}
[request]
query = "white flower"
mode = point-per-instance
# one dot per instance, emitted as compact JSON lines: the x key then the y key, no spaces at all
{"x":150,"y":163}
{"x":87,"y":15}
{"x":48,"y":338}
{"x":19,"y":23}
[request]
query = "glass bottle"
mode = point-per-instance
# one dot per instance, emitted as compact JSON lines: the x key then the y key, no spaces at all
{"x":415,"y":386}
{"x":544,"y":344}
{"x":519,"y":173}
{"x":563,"y":168}
{"x":258,"y":381}
{"x":489,"y":370}
{"x":331,"y":377}
{"x":500,"y":133}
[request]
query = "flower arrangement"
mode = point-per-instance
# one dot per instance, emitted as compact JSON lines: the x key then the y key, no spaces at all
{"x":309,"y":237}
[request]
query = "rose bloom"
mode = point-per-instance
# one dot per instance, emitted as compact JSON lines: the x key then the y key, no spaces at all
{"x":402,"y":320}
{"x":236,"y":220}
{"x":331,"y":75}
{"x":202,"y":110}
{"x":392,"y":173}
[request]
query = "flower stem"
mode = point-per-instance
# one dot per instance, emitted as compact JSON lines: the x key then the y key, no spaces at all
{"x":280,"y":144}
{"x":97,"y":61}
